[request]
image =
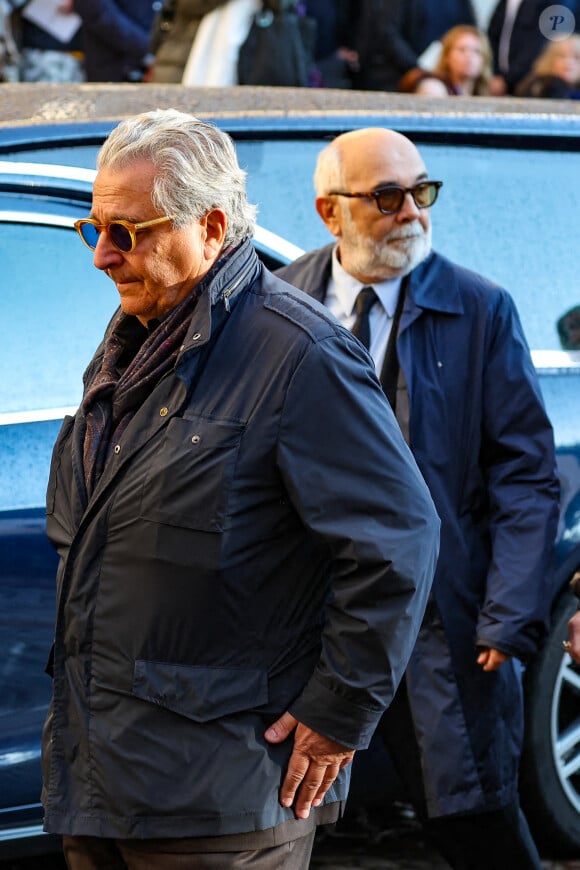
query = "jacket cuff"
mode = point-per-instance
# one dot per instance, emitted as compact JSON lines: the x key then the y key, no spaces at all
{"x":335,"y":716}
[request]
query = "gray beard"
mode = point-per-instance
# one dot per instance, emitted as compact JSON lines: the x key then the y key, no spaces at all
{"x":380,"y":261}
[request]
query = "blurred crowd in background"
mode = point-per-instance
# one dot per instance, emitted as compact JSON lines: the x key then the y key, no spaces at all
{"x":434,"y":47}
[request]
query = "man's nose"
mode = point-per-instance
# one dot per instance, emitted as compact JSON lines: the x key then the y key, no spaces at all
{"x":106,"y":254}
{"x":409,"y":210}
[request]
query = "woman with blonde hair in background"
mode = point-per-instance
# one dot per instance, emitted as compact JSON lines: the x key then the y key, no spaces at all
{"x":556,"y":72}
{"x":465,"y":62}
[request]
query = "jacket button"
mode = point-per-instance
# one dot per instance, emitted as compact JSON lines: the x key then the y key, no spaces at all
{"x":195,"y":439}
{"x":117,"y":448}
{"x":163,"y":412}
{"x":197,"y":336}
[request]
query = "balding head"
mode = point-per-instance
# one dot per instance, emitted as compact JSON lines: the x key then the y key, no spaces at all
{"x":373,"y":246}
{"x":364,"y":154}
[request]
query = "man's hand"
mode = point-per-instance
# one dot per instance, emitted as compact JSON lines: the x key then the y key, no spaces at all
{"x":574,"y":637}
{"x":492,"y":659}
{"x":313,"y":766}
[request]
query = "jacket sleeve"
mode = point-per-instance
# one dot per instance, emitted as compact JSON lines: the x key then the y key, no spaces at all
{"x":105,"y":19}
{"x":357,"y":488}
{"x":518,"y":458}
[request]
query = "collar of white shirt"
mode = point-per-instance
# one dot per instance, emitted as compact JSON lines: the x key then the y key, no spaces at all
{"x":343,"y":290}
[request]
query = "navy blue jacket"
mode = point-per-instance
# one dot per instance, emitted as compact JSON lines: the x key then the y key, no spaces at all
{"x":261,"y":540}
{"x":116,"y":36}
{"x":480,"y":435}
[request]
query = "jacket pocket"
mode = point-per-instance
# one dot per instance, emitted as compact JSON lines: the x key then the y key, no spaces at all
{"x":191,"y":474}
{"x":199,"y":693}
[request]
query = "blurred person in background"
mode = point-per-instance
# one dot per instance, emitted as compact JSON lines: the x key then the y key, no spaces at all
{"x":116,"y":36}
{"x":48,"y":53}
{"x":173,"y":34}
{"x":335,"y":59}
{"x":176,"y":28}
{"x":556,"y":72}
{"x":516,"y":39}
{"x":9,"y":54}
{"x":423,"y":82}
{"x":465,"y":62}
{"x":393,"y":34}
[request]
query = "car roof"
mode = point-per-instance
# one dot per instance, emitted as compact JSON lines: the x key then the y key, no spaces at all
{"x":91,"y":110}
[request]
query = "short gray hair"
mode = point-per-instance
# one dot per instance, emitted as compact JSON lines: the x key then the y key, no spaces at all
{"x":328,"y":174}
{"x":196,"y":167}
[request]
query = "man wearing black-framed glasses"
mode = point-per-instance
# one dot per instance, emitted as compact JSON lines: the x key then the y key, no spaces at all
{"x":453,"y":361}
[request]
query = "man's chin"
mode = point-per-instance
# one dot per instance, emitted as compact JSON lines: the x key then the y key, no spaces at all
{"x":411,"y":258}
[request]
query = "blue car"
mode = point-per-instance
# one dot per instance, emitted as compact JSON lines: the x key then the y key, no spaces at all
{"x":508,"y":210}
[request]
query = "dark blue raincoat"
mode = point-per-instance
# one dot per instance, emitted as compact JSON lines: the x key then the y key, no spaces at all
{"x":480,"y":435}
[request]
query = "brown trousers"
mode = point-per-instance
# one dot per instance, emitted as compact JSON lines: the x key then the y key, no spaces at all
{"x":96,"y":853}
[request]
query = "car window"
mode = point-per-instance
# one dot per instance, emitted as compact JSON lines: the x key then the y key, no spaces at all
{"x":510,"y":215}
{"x":57,"y":299}
{"x":57,"y":305}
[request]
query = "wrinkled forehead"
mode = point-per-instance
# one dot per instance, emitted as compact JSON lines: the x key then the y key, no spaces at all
{"x":379,"y":160}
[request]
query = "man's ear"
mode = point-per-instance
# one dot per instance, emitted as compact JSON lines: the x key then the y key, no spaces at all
{"x":328,"y":208}
{"x":216,"y":223}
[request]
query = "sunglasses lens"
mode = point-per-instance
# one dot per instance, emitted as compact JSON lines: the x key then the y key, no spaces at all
{"x":120,"y":236}
{"x":425,"y":195}
{"x":90,"y":234}
{"x":390,"y":199}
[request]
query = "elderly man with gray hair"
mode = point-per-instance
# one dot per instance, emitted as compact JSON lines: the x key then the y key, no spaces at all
{"x":246,"y":544}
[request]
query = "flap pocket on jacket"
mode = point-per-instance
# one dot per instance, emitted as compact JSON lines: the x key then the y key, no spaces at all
{"x":200,"y":693}
{"x":188,"y":482}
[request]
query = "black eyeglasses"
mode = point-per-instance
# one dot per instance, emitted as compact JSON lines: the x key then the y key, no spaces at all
{"x":123,"y":234}
{"x":390,"y":199}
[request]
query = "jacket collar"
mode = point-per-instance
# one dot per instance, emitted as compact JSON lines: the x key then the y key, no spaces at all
{"x":433,"y":285}
{"x":223,"y":287}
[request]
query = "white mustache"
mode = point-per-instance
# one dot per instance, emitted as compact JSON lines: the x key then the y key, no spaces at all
{"x":410,"y":233}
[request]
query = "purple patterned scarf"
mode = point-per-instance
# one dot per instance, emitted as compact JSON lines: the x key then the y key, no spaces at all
{"x":133,"y":364}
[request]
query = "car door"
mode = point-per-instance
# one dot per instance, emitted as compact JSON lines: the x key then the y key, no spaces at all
{"x":55,"y":308}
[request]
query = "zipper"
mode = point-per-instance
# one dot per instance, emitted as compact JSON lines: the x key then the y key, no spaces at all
{"x":241,"y":277}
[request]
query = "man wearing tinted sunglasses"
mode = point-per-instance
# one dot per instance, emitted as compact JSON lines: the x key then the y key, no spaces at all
{"x":450,"y":353}
{"x":206,"y":506}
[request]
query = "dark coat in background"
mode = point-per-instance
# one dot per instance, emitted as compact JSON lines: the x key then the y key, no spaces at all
{"x":335,"y":28}
{"x":392,"y":34}
{"x":545,"y":87}
{"x":116,"y":36}
{"x":246,"y":551}
{"x":481,"y":438}
{"x":527,"y":40}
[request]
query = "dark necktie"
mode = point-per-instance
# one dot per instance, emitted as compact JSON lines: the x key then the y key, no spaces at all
{"x":390,"y":369}
{"x":364,"y":302}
